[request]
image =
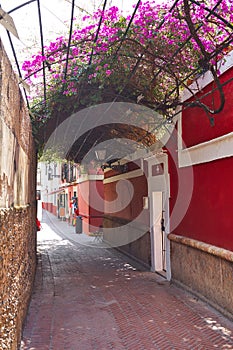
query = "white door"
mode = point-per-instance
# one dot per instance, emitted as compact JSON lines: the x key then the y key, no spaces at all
{"x":158,"y":243}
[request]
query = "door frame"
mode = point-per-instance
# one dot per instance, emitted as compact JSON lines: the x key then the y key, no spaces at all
{"x":159,"y":183}
{"x":157,"y":236}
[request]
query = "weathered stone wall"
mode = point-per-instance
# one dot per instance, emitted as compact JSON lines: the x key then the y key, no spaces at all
{"x":17,"y":272}
{"x":204,"y":270}
{"x":17,"y":207}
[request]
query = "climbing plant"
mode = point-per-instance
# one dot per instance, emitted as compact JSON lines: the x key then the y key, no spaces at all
{"x":145,"y":58}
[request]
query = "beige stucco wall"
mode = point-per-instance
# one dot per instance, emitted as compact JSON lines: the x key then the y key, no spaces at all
{"x":204,"y":270}
{"x":17,"y":207}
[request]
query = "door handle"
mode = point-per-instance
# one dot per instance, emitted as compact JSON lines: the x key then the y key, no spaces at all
{"x":162,"y":225}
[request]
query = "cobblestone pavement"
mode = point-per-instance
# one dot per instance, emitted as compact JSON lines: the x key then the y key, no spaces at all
{"x":88,"y":298}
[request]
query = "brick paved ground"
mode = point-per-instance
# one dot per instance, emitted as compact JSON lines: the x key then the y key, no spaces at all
{"x":88,"y":298}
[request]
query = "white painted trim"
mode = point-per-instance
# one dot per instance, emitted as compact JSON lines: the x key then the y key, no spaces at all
{"x":87,"y":177}
{"x":223,"y":65}
{"x":125,"y":176}
{"x":218,"y":148}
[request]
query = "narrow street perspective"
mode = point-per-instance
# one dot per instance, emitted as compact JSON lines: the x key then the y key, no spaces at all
{"x":87,"y":297}
{"x":116,"y":163}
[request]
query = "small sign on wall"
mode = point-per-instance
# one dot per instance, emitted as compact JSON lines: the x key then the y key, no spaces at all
{"x":157,"y":169}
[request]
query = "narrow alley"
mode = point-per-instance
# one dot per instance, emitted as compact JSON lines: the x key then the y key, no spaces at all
{"x":116,"y":124}
{"x":89,"y":297}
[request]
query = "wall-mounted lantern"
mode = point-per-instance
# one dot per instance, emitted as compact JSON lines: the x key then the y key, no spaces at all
{"x":101,"y":156}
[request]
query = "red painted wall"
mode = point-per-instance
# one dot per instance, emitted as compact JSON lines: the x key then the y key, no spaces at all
{"x":91,"y":204}
{"x":83,"y":203}
{"x":209,"y":216}
{"x":134,"y":207}
{"x":118,"y":213}
{"x":50,"y":207}
{"x":196,"y":125}
{"x":96,"y":189}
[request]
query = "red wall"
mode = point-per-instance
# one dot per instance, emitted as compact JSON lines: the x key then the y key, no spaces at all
{"x":209,"y":216}
{"x":196,"y":125}
{"x":91,"y":204}
{"x":96,"y":204}
{"x":50,"y":207}
{"x":135,"y":206}
{"x":83,"y":204}
{"x":120,"y":214}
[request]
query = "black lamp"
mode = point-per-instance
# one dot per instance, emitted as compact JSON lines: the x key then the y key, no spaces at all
{"x":101,"y":156}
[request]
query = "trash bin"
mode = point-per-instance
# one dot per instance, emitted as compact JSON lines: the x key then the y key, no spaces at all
{"x":79,"y":224}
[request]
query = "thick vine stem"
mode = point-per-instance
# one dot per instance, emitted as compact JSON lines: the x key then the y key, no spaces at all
{"x":206,"y":59}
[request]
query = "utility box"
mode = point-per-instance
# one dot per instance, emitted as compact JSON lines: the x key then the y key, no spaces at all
{"x":79,"y":224}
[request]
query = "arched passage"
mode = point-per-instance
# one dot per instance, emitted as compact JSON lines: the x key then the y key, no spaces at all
{"x":144,"y":74}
